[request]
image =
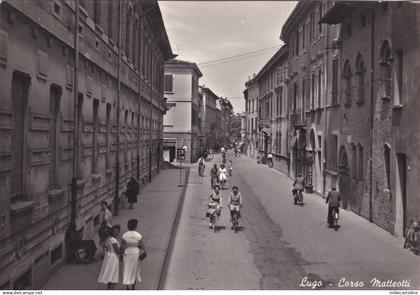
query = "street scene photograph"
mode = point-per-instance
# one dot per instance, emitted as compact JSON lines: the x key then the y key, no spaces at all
{"x":209,"y":145}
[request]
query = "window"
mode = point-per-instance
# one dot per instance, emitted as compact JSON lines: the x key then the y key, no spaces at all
{"x":303,"y":36}
{"x":319,"y":88}
{"x":57,"y":9}
{"x":354,"y":160}
{"x":95,"y":136}
{"x":387,"y":162}
{"x":297,"y":43}
{"x":20,"y":88}
{"x":168,"y":83}
{"x":110,"y":20}
{"x":96,"y":12}
{"x":349,"y":30}
{"x":295,"y":88}
{"x":303,"y":98}
{"x":347,"y":83}
{"x":360,"y":73}
{"x":319,"y":19}
{"x":398,"y":77}
{"x":108,"y":136}
{"x":333,"y":153}
{"x":385,"y":71}
{"x":126,"y":137}
{"x":361,"y":163}
{"x":312,"y":104}
{"x":334,"y":87}
{"x":55,"y":93}
{"x":128,"y":33}
{"x":362,"y":20}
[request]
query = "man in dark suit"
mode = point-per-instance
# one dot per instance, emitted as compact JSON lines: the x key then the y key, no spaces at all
{"x":333,"y":199}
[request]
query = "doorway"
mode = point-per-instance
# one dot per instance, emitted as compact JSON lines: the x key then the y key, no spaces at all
{"x":401,"y":197}
{"x":344,"y":177}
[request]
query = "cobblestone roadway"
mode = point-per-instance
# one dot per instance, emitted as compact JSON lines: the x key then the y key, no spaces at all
{"x":281,"y":243}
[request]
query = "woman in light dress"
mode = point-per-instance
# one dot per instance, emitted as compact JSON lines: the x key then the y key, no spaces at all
{"x":111,"y":263}
{"x":132,"y":243}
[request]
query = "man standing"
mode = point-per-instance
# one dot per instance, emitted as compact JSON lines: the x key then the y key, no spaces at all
{"x":334,"y":199}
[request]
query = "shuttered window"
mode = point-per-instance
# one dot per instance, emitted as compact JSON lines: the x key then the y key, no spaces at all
{"x":168,"y":83}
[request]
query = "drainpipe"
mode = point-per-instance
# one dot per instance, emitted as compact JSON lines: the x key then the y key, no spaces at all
{"x":73,"y":207}
{"x":117,"y":155}
{"x":324,"y":162}
{"x":371,"y":114}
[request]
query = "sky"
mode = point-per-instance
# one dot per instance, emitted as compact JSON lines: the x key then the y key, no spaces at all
{"x":204,"y":31}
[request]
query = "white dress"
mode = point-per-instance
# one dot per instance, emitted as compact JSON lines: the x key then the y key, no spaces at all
{"x":110,"y":265}
{"x":131,"y":257}
{"x":222,"y":174}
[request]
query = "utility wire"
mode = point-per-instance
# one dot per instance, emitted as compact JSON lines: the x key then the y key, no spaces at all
{"x":238,"y":56}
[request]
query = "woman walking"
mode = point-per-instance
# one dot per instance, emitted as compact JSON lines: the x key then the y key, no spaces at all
{"x":132,"y":243}
{"x":110,"y":265}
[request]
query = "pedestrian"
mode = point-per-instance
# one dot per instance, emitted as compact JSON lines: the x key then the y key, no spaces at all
{"x":132,"y":192}
{"x":106,"y":214}
{"x":333,"y":200}
{"x":201,"y":166}
{"x":270,"y":159}
{"x":111,"y":264}
{"x":105,"y":221}
{"x":132,"y":243}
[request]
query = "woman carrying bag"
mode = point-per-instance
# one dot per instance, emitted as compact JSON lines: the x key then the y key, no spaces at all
{"x":132,"y":244}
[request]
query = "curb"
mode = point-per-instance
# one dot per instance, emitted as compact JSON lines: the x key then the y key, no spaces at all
{"x":168,"y":254}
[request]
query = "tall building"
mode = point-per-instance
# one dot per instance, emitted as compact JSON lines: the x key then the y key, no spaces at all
{"x":377,"y":139}
{"x":81,"y":112}
{"x":251,"y":110}
{"x":313,"y":102}
{"x":273,"y":127}
{"x":181,"y":121}
{"x":226,"y":112}
{"x":211,"y":118}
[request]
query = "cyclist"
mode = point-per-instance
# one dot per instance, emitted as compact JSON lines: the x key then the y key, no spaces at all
{"x":201,"y":166}
{"x":333,"y":199}
{"x":298,"y":185}
{"x":214,"y":173}
{"x":235,"y":202}
{"x":216,"y":197}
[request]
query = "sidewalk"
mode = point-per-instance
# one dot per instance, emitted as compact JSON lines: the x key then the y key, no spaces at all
{"x":156,"y":211}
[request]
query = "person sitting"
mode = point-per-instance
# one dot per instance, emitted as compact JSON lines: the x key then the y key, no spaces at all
{"x":74,"y":243}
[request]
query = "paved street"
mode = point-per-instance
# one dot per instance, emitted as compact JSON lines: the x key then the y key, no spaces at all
{"x":156,"y":212}
{"x":280,"y":244}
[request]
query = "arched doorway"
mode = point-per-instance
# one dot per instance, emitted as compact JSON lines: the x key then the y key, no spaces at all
{"x":344,"y":177}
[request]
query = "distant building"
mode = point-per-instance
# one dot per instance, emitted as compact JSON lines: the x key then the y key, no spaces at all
{"x":251,"y":110}
{"x":226,"y":112}
{"x":211,"y":127}
{"x":181,"y":121}
{"x":273,"y":121}
{"x":59,"y":150}
{"x":312,"y":96}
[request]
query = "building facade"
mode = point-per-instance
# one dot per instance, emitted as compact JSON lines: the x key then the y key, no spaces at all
{"x":377,"y":149}
{"x":251,"y":110}
{"x":273,"y":127}
{"x":211,"y":127}
{"x":81,"y":112}
{"x":181,"y":121}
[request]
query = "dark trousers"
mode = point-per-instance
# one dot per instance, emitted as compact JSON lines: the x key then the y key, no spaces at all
{"x":330,"y":216}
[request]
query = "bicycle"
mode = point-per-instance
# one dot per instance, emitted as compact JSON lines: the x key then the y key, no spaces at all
{"x":335,"y":218}
{"x":235,"y":220}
